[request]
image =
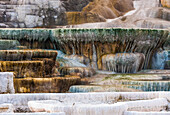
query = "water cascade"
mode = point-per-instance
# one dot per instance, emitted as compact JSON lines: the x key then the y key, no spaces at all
{"x":122,"y":62}
{"x":70,"y":60}
{"x":159,"y":60}
{"x":114,"y":66}
{"x":74,"y":65}
{"x":86,"y":41}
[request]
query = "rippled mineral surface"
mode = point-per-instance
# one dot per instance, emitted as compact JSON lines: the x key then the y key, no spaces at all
{"x":84,"y":57}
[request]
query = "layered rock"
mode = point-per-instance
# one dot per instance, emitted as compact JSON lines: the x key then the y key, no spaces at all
{"x":75,"y":5}
{"x":28,"y":54}
{"x":34,"y":63}
{"x":92,"y":43}
{"x":151,"y":81}
{"x":6,"y":82}
{"x":148,"y":105}
{"x":8,"y":44}
{"x":99,"y":10}
{"x":83,"y":17}
{"x":45,"y":85}
{"x":80,"y":71}
{"x":75,"y":108}
{"x":20,"y":101}
{"x":32,"y":13}
{"x":122,"y":62}
{"x":144,"y":16}
{"x":50,"y":13}
{"x":98,"y":108}
{"x":100,"y":88}
{"x":23,"y":69}
{"x":79,"y":58}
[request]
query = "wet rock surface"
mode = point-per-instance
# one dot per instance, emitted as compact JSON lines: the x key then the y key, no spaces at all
{"x":150,"y":80}
{"x":45,"y":85}
{"x":8,"y":44}
{"x":122,"y":62}
{"x":44,"y":74}
{"x":29,"y":68}
{"x":80,"y":71}
{"x":92,"y":43}
{"x":34,"y":63}
{"x":160,"y":59}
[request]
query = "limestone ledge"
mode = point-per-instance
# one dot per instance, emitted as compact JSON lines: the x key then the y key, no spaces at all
{"x":80,"y":108}
{"x":21,"y":100}
{"x":45,"y":85}
{"x":6,"y":82}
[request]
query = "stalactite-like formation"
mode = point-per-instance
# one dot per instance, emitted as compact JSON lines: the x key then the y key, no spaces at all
{"x":92,"y":43}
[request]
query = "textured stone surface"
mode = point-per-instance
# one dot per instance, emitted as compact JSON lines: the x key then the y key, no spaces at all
{"x":145,"y":17}
{"x":45,"y":85}
{"x":8,"y":44}
{"x":159,"y":59}
{"x":34,"y":62}
{"x":80,"y":58}
{"x":92,"y":43}
{"x":6,"y":108}
{"x":20,"y":101}
{"x":50,"y":13}
{"x":122,"y":62}
{"x":32,"y":13}
{"x":99,"y":10}
{"x":29,"y":68}
{"x":75,"y":5}
{"x":140,"y":82}
{"x":6,"y":82}
{"x":81,"y":71}
{"x":157,"y":104}
{"x":77,"y":108}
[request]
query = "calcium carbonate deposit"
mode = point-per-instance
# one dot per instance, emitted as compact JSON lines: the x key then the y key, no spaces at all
{"x":84,"y":57}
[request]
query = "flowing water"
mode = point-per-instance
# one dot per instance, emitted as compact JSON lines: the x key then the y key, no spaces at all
{"x":68,"y":62}
{"x":109,"y":51}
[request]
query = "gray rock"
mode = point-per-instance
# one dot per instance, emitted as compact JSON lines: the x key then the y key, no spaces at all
{"x":21,"y":25}
{"x":11,"y":16}
{"x":6,"y":82}
{"x":8,"y":44}
{"x":31,"y":21}
{"x":122,"y":62}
